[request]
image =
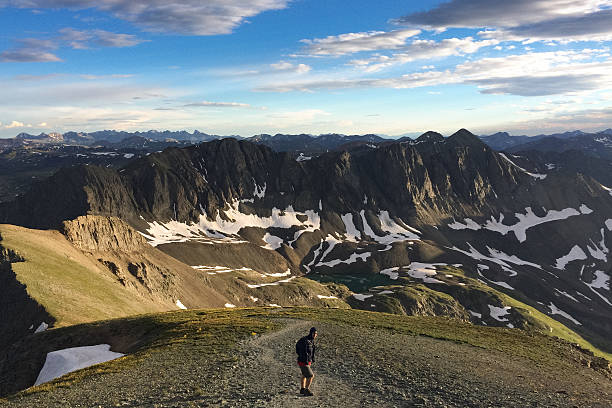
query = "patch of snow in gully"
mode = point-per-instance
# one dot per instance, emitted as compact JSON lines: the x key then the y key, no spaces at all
{"x":61,"y":362}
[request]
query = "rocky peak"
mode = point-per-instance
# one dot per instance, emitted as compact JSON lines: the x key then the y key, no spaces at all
{"x":430,"y":136}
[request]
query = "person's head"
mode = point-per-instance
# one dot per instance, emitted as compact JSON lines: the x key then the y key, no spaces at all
{"x":313,"y":332}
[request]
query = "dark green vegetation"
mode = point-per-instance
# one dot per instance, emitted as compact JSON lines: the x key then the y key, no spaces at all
{"x":196,"y":357}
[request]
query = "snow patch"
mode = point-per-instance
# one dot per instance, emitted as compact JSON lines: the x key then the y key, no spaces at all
{"x":528,"y":220}
{"x":391,"y":272}
{"x":361,"y":297}
{"x":261,"y":285}
{"x":498,"y":313}
{"x":352,"y":259}
{"x":61,"y":362}
{"x":534,"y":175}
{"x":273,"y":242}
{"x":469,"y":224}
{"x":601,"y":281}
{"x":567,"y":295}
{"x":180,"y":305}
{"x":352,"y":233}
{"x":576,"y":253}
{"x":331,"y":242}
{"x":225,"y":230}
{"x":326,"y":297}
{"x":423,"y":271}
{"x":496,"y":256}
{"x":41,"y":328}
{"x":396,"y":233}
{"x":475,"y":314}
{"x":230,"y":306}
{"x":554,"y":310}
{"x":260,"y":192}
{"x":302,"y":158}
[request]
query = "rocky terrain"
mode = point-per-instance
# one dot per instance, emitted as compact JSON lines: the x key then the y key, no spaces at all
{"x":246,"y":358}
{"x":432,"y":226}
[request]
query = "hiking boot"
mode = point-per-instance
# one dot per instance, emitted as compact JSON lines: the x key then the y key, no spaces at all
{"x":302,"y":390}
{"x":308,"y":393}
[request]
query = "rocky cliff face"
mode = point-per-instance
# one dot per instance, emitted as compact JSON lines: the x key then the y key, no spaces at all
{"x":103,"y":234}
{"x":396,"y":214}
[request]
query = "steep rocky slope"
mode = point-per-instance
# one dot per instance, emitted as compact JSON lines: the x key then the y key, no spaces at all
{"x":432,"y":226}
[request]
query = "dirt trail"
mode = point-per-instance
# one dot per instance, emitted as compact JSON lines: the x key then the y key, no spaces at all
{"x":269,"y":374}
{"x":355,"y":367}
{"x":359,"y":367}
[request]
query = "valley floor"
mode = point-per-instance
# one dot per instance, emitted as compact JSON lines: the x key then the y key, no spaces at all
{"x":246,"y":358}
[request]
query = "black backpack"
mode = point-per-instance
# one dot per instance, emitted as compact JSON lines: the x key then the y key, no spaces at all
{"x":299,"y":346}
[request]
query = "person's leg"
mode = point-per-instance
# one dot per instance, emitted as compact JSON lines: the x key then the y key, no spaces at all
{"x":309,"y":381}
{"x":304,"y":380}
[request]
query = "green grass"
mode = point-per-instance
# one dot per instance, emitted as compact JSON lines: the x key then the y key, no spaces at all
{"x":217,"y":333}
{"x":538,"y":321}
{"x":72,"y":287}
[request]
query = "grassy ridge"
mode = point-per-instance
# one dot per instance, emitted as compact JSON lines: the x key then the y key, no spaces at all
{"x":217,"y":333}
{"x":73,"y":288}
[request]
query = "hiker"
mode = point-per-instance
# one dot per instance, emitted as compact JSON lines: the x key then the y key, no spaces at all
{"x":305,"y":349}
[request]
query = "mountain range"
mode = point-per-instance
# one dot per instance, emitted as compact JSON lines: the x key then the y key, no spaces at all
{"x":439,"y":216}
{"x":432,"y":226}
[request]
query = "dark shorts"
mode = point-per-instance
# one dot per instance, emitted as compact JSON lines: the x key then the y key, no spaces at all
{"x":307,"y":371}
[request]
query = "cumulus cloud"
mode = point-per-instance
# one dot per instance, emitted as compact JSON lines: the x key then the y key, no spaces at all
{"x":30,"y":50}
{"x":15,"y":124}
{"x":523,"y":20}
{"x":350,"y":43}
{"x":532,"y":74}
{"x":424,"y":49}
{"x":192,"y":17}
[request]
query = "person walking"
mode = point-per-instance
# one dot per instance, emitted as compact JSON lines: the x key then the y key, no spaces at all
{"x":305,"y":349}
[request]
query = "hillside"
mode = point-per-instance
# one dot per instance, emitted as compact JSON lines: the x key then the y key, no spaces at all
{"x":437,"y":226}
{"x":99,"y":268}
{"x":246,"y":357}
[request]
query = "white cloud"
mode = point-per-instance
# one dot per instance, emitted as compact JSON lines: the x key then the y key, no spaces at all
{"x":30,"y":50}
{"x":500,"y":13}
{"x":523,"y":20}
{"x":192,"y":17}
{"x":532,"y":74}
{"x":424,"y":49}
{"x":284,"y":66}
{"x":15,"y":124}
{"x":357,"y":42}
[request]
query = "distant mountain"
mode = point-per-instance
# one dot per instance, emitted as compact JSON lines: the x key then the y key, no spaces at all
{"x":114,"y":136}
{"x":312,"y":145}
{"x":504,"y":141}
{"x":597,"y":145}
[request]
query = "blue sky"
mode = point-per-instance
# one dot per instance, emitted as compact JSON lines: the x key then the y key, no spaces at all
{"x":305,"y":66}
